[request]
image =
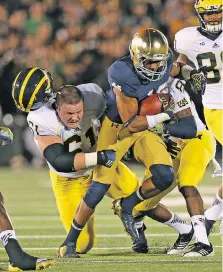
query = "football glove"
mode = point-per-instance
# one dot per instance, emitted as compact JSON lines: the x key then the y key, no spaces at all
{"x":106,"y":157}
{"x":198,"y":81}
{"x":167,"y":106}
{"x":6,"y":136}
{"x":172,"y":148}
{"x":160,"y":130}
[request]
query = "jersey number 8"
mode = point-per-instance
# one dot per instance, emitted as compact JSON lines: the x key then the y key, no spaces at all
{"x":213,"y":74}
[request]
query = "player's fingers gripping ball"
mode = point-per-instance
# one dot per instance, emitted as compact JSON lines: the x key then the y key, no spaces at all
{"x":6,"y":136}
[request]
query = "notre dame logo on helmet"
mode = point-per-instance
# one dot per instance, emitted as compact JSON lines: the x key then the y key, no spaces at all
{"x":31,"y":88}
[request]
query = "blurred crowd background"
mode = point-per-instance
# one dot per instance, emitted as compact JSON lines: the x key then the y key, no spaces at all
{"x":76,"y":40}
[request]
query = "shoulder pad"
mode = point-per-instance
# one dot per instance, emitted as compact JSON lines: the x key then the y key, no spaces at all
{"x":183,"y":39}
{"x":43,"y":121}
{"x":121,"y":75}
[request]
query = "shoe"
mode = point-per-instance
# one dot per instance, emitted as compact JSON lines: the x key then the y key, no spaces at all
{"x":129,"y":223}
{"x":68,"y":251}
{"x":209,"y":224}
{"x":181,"y":243}
{"x":40,"y":265}
{"x":140,"y":245}
{"x":199,"y":250}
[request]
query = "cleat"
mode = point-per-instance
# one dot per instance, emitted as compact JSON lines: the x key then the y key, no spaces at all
{"x":181,"y":243}
{"x":209,"y":224}
{"x":199,"y":250}
{"x":129,"y":223}
{"x":68,"y":251}
{"x":40,"y":265}
{"x":140,"y":245}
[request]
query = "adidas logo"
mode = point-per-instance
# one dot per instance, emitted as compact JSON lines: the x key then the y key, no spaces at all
{"x":216,"y":45}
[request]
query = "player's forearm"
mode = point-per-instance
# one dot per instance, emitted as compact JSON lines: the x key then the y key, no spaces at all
{"x":181,"y":70}
{"x":141,"y":123}
{"x":138,"y":124}
{"x":185,"y":128}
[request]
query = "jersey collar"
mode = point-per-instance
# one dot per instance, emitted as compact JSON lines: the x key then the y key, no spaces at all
{"x":210,"y":36}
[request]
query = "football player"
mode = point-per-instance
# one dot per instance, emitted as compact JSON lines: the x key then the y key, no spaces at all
{"x":65,"y":129}
{"x":203,"y":47}
{"x":18,"y":259}
{"x":132,"y":78}
{"x":191,"y":158}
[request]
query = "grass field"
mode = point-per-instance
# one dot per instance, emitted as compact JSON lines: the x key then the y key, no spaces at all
{"x":31,"y":205}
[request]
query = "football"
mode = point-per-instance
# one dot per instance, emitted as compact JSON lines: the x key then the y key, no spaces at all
{"x":152,"y":104}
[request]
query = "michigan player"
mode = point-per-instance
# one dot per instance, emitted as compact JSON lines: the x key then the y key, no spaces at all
{"x":63,"y":130}
{"x":18,"y":259}
{"x":203,"y":46}
{"x":132,"y":78}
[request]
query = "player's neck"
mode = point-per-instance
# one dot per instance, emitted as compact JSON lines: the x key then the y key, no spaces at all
{"x":208,"y":35}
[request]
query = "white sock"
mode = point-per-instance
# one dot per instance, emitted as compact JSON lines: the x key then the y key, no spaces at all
{"x":5,"y":235}
{"x":214,"y":211}
{"x":198,"y":222}
{"x":179,"y":224}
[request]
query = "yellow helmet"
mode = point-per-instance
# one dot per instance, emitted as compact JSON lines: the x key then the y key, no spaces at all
{"x":149,"y":45}
{"x":209,"y":6}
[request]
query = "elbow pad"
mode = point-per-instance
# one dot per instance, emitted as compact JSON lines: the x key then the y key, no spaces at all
{"x":185,"y":128}
{"x":61,"y":160}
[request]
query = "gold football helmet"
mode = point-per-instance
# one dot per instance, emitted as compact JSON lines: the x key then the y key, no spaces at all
{"x":208,"y":7}
{"x":32,"y":88}
{"x":149,"y":46}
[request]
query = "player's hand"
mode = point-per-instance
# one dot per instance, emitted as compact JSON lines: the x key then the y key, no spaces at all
{"x":106,"y":157}
{"x":167,"y":106}
{"x":198,"y":81}
{"x":6,"y":136}
{"x":172,"y":148}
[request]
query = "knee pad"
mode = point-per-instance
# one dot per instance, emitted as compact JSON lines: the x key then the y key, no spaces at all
{"x":162,"y":176}
{"x":95,"y":194}
{"x":189,"y":191}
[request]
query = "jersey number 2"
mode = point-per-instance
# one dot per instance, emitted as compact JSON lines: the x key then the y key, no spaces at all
{"x":213,"y":75}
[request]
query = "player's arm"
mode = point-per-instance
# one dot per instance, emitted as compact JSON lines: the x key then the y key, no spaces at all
{"x":128,"y":108}
{"x":63,"y":161}
{"x":185,"y":127}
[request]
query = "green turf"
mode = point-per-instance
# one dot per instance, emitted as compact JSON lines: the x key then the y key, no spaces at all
{"x":31,"y":205}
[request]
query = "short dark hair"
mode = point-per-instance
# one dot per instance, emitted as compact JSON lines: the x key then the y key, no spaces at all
{"x":68,"y":94}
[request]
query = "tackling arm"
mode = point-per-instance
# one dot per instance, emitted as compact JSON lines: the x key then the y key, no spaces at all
{"x":63,"y":161}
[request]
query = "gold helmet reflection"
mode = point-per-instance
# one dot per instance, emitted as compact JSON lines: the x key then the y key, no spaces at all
{"x":149,"y":45}
{"x":209,"y":6}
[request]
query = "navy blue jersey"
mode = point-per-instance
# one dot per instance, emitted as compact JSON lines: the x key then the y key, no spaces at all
{"x":122,"y":73}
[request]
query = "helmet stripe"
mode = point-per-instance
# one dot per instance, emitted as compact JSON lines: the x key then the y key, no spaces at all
{"x":35,"y":93}
{"x":24,"y":86}
{"x":13,"y":89}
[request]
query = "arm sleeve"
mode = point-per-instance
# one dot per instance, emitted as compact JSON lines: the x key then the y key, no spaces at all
{"x":185,"y":128}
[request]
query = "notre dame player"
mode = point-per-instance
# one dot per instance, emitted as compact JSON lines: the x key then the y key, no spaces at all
{"x":64,"y":130}
{"x":18,"y":259}
{"x":203,"y":47}
{"x":132,"y":78}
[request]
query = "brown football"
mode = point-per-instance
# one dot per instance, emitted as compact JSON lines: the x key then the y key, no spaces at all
{"x":152,"y":104}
